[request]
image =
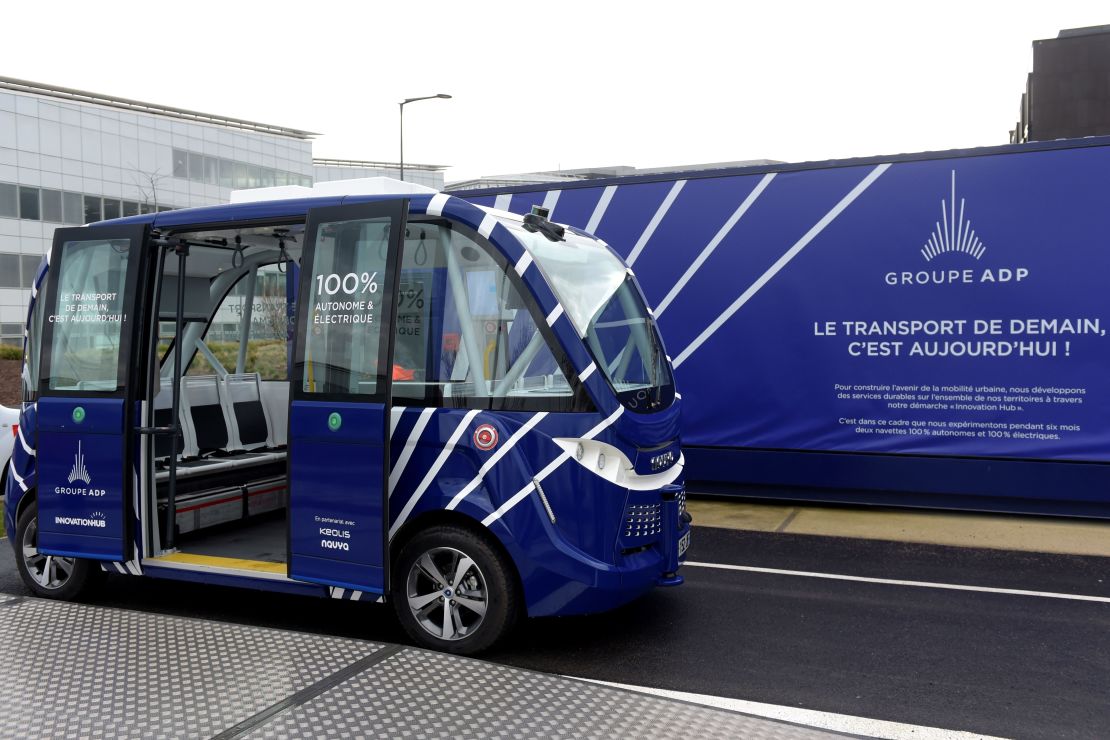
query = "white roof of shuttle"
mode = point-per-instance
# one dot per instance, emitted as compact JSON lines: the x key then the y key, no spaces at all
{"x":360,"y":186}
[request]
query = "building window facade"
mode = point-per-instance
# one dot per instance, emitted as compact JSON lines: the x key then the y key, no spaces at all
{"x":56,"y":206}
{"x":231,"y":174}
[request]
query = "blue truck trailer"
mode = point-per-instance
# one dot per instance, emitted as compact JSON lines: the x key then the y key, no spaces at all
{"x":921,"y":330}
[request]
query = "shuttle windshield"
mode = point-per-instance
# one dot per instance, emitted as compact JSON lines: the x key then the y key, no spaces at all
{"x":600,"y":297}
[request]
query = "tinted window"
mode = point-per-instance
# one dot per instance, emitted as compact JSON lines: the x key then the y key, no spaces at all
{"x":9,"y":271}
{"x":92,"y":209}
{"x":52,"y":206}
{"x":180,"y":164}
{"x":29,"y":267}
{"x":9,"y":201}
{"x":29,"y":203}
{"x":73,"y":210}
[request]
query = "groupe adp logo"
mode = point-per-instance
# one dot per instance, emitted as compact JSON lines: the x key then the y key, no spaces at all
{"x":952,"y":243}
{"x":79,"y":473}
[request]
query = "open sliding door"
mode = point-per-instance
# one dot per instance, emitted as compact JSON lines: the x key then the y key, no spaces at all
{"x":340,"y":400}
{"x":86,"y":403}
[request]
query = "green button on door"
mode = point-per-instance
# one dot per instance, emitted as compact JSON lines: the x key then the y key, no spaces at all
{"x":78,"y":414}
{"x":335,"y":421}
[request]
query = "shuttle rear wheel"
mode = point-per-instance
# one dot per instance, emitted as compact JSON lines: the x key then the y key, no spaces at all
{"x":51,"y":576}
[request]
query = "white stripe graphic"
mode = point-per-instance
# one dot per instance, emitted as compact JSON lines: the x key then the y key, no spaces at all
{"x":494,"y":459}
{"x":523,"y":262}
{"x":846,"y":723}
{"x":549,"y":202}
{"x":437,"y":204}
{"x":587,"y":372}
{"x":432,"y":471}
{"x":655,"y":220}
{"x":23,"y":442}
{"x":18,"y":480}
{"x":502,"y":201}
{"x":897,"y":582}
{"x":133,"y":568}
{"x":782,"y":262}
{"x":338,"y":593}
{"x":555,"y":314}
{"x":395,"y":415}
{"x":356,"y":595}
{"x":600,"y":208}
{"x":714,"y":242}
{"x":486,"y":227}
{"x":410,"y":445}
{"x":551,"y":468}
{"x":120,"y":568}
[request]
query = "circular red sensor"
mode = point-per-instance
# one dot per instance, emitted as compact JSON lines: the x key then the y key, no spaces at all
{"x":485,"y":437}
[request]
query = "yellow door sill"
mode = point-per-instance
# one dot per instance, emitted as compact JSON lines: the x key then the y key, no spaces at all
{"x":185,"y":559}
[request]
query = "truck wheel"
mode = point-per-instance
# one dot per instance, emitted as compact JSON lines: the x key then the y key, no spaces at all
{"x":49,"y":575}
{"x":453,"y":591}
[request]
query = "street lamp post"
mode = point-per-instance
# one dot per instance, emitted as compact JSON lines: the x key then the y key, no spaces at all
{"x":405,"y":102}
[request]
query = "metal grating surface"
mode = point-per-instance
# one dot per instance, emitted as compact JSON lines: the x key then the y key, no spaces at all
{"x":72,"y":670}
{"x":76,"y":671}
{"x":419,"y":694}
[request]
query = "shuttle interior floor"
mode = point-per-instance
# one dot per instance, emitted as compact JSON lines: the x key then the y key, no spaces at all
{"x":261,"y":538}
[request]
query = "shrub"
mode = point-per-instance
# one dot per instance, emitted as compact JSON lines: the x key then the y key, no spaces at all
{"x":10,"y":352}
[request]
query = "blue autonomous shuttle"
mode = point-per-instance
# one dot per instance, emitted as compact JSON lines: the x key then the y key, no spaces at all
{"x":401,"y":398}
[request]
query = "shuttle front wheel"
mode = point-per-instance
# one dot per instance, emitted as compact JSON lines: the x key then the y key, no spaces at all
{"x":49,"y":575}
{"x":453,"y":591}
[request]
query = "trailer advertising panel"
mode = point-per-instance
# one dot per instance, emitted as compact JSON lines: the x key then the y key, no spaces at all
{"x":947,"y":309}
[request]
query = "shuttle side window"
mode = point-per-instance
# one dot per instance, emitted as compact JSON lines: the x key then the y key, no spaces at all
{"x":467,"y":336}
{"x":30,"y":378}
{"x":88,"y":316}
{"x":266,"y":330}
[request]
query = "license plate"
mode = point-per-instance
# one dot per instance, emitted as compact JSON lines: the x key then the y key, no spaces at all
{"x":683,"y":544}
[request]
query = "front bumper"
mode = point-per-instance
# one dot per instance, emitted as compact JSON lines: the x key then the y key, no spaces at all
{"x":571,"y":582}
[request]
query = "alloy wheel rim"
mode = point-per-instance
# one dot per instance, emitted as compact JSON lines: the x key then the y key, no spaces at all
{"x":447,"y":593}
{"x":48,"y":571}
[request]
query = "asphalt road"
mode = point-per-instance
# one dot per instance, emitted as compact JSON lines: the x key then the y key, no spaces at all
{"x":1000,"y":664}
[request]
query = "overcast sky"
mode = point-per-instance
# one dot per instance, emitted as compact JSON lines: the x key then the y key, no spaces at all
{"x":578,"y":84}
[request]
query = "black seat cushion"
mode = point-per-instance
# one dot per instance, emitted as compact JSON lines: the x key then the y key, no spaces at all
{"x":251,"y":419}
{"x":208,"y":421}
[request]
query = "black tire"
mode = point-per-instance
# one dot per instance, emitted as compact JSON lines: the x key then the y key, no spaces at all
{"x":83,"y":574}
{"x":491,"y":575}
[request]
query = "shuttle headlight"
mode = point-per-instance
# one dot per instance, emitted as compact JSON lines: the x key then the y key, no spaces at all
{"x":608,"y":462}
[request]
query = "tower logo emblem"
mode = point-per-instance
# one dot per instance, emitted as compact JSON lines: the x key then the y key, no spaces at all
{"x":953,"y":233}
{"x":79,"y":471}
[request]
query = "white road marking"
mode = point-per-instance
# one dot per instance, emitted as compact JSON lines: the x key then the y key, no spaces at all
{"x":846,"y":723}
{"x":897,"y":582}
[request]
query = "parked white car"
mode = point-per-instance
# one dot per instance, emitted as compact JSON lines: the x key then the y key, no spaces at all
{"x":9,"y":420}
